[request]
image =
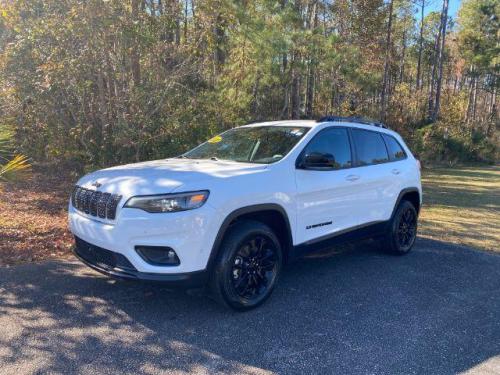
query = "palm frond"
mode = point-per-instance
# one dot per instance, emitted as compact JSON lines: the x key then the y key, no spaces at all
{"x":14,"y":167}
{"x":6,"y":141}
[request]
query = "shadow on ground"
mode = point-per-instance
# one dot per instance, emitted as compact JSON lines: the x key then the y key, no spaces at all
{"x":435,"y":311}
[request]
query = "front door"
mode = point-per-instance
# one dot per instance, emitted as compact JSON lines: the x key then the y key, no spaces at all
{"x":327,"y":197}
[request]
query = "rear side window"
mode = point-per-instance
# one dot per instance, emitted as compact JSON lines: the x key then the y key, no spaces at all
{"x":333,"y":141}
{"x":370,"y":147}
{"x":396,"y":152}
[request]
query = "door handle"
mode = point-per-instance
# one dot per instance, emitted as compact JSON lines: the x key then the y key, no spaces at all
{"x":396,"y":171}
{"x":352,"y":177}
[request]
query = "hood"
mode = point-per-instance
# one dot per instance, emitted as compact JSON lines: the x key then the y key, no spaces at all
{"x":163,"y":176}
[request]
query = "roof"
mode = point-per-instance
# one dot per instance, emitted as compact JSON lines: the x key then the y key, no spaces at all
{"x":336,"y":120}
{"x":355,"y":122}
{"x":302,"y":123}
{"x":352,"y":119}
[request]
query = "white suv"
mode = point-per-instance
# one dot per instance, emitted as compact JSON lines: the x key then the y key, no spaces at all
{"x":232,"y":211}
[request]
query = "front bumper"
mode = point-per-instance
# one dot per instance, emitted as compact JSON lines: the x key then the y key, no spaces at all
{"x":117,"y":266}
{"x":189,"y":233}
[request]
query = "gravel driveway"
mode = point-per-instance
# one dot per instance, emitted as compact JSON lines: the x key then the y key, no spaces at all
{"x":434,"y":311}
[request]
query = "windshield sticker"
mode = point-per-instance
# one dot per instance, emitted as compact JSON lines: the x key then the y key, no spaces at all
{"x":215,"y":139}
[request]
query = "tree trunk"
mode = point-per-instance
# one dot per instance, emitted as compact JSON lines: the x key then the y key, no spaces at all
{"x":312,"y":66}
{"x":310,"y":90}
{"x":493,"y":110}
{"x":219,"y":35}
{"x":403,"y":53}
{"x":176,"y":11}
{"x":383,"y":99}
{"x":185,"y":20}
{"x":474,"y":100}
{"x":492,"y":114}
{"x":255,"y":95}
{"x":285,"y":80}
{"x":135,"y":58}
{"x":295,"y":71}
{"x":432,"y":79}
{"x":420,"y":48}
{"x":444,"y":21}
{"x":470,"y":97}
{"x":295,"y":90}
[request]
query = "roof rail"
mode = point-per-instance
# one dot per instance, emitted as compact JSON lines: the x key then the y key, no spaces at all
{"x":355,"y":119}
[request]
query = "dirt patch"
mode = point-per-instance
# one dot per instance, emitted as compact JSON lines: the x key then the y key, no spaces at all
{"x":33,"y":218}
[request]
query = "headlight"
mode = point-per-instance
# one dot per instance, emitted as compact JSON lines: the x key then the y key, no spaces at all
{"x":169,"y":202}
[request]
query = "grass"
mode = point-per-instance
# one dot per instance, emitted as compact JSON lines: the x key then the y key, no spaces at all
{"x":462,"y":206}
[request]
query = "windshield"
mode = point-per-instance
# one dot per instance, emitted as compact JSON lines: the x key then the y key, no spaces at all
{"x":262,"y":144}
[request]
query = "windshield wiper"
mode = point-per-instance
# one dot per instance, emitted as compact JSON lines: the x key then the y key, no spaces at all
{"x":213,"y":158}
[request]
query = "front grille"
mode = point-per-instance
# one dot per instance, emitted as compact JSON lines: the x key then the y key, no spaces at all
{"x":95,"y":203}
{"x":101,"y":257}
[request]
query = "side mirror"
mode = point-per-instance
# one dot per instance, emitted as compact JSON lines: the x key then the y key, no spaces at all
{"x":318,"y":161}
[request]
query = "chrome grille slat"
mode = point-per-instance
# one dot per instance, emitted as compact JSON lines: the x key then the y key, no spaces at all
{"x":73,"y":195}
{"x":101,"y":205}
{"x":111,"y":206}
{"x":86,"y":201}
{"x":95,"y":203}
{"x":79,"y":199}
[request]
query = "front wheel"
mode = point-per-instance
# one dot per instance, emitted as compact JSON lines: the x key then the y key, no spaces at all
{"x":402,"y":230}
{"x":248,"y":265}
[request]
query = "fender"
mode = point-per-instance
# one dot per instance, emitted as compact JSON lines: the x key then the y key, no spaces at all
{"x":243,"y":211}
{"x":400,"y":196}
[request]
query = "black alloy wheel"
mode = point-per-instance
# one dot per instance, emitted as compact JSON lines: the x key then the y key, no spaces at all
{"x":248,"y":265}
{"x":255,"y":267}
{"x":407,"y":228}
{"x":402,"y":229}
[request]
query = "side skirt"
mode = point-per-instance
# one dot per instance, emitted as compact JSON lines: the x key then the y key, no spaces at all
{"x":357,"y":233}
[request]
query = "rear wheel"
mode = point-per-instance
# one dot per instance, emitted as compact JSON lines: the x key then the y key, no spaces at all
{"x":402,"y":230}
{"x":248,"y":265}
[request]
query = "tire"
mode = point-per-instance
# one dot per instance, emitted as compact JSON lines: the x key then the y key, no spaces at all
{"x":402,"y":229}
{"x":247,"y":267}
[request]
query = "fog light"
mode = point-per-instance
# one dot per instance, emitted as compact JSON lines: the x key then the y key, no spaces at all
{"x":158,"y":255}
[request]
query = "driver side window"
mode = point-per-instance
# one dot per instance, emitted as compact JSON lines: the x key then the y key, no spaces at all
{"x":334,"y":144}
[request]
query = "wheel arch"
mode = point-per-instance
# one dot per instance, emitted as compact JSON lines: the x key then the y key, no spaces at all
{"x":270,"y":214}
{"x":411,"y":194}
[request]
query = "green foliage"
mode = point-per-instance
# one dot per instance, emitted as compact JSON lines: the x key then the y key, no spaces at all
{"x":437,"y":143}
{"x":94,"y":83}
{"x":479,"y":25}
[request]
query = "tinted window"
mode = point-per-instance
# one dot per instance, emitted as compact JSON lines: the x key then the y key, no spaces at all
{"x":396,"y":152}
{"x":334,"y":142}
{"x":370,"y":147}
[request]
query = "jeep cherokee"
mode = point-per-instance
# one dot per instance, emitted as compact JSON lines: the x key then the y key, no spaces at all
{"x":233,"y":210}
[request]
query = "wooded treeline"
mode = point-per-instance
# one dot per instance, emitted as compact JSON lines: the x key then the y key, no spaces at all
{"x":96,"y":82}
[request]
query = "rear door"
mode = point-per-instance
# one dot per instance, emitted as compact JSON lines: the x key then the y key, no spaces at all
{"x":328,"y":200}
{"x":379,"y":178}
{"x":402,"y":168}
